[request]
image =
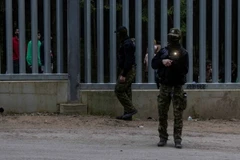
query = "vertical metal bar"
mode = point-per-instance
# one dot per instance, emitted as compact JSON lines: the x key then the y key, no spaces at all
{"x":151,"y":33}
{"x":59,"y":28}
{"x":22,"y":36}
{"x":202,"y":41}
{"x":228,"y":40}
{"x":164,"y":22}
{"x":177,"y":14}
{"x":113,"y":61}
{"x":73,"y":13}
{"x":238,"y":61}
{"x":9,"y":28}
{"x":190,"y":39}
{"x":125,"y":14}
{"x":47,"y":36}
{"x":87,"y":40}
{"x":138,"y":39}
{"x":215,"y":41}
{"x":100,"y":39}
{"x":34,"y":27}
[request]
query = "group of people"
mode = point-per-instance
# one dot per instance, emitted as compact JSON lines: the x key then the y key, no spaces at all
{"x":221,"y":75}
{"x":40,"y":54}
{"x":171,"y":63}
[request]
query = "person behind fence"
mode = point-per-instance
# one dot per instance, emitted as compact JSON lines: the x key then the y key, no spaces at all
{"x":157,"y":48}
{"x":208,"y":71}
{"x":42,"y":55}
{"x":172,"y":63}
{"x":29,"y":55}
{"x":15,"y":43}
{"x":127,"y":66}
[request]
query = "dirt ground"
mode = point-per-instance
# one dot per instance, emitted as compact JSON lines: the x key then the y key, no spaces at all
{"x":60,"y":137}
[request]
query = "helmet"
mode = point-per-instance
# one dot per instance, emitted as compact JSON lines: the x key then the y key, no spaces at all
{"x":174,"y":35}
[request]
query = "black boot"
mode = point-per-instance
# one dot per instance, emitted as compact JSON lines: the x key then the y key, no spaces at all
{"x":162,"y":142}
{"x":124,"y":118}
{"x":1,"y":110}
{"x":178,"y":144}
{"x":129,"y":114}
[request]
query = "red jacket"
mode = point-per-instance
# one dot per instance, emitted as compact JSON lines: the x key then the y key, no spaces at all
{"x":15,"y":41}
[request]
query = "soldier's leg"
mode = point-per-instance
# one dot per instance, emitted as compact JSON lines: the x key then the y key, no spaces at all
{"x":164,"y":100}
{"x":179,"y":105}
{"x":129,"y":93}
{"x":123,"y":92}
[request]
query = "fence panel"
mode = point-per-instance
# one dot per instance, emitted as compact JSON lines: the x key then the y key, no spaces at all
{"x":98,"y":43}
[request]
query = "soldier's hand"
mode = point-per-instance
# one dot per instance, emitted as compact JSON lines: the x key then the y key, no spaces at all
{"x":167,"y":62}
{"x":122,"y":79}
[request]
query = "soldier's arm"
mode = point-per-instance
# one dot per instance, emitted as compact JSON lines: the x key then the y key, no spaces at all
{"x":157,"y":60}
{"x":129,"y":58}
{"x":186,"y":63}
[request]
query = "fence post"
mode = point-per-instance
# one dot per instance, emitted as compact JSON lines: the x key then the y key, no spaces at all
{"x":100,"y":40}
{"x":22,"y":36}
{"x":9,"y":25}
{"x":202,"y":41}
{"x":73,"y":24}
{"x":228,"y":41}
{"x":59,"y":28}
{"x":151,"y":33}
{"x":138,"y":38}
{"x":189,"y":40}
{"x":164,"y":22}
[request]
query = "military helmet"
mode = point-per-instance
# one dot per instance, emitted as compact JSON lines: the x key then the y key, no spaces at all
{"x":174,"y":34}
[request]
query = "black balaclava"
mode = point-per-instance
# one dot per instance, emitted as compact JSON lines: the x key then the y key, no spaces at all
{"x":121,"y":33}
{"x":174,"y":45}
{"x":174,"y":37}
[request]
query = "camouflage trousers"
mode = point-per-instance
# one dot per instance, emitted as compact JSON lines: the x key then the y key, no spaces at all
{"x":179,"y":100}
{"x":123,"y":91}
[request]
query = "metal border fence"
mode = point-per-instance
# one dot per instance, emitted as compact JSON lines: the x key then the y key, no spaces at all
{"x":74,"y":50}
{"x":34,"y":32}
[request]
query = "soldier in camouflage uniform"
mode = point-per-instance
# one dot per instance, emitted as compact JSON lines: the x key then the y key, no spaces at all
{"x":172,"y":63}
{"x":127,"y":66}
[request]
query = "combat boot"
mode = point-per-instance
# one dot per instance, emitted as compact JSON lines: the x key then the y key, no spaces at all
{"x":129,"y":114}
{"x":162,"y":142}
{"x":178,"y":144}
{"x":1,"y":110}
{"x":124,"y":118}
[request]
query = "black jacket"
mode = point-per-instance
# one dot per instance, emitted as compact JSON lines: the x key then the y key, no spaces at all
{"x":176,"y":73}
{"x":126,"y":55}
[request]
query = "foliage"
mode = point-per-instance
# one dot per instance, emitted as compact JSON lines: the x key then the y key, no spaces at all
{"x":144,"y":14}
{"x":182,"y":15}
{"x":106,"y":6}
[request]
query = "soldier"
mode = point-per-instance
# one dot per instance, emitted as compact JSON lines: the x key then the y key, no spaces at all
{"x":172,"y":64}
{"x":127,"y":66}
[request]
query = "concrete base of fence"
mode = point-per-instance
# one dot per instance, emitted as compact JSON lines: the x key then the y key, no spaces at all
{"x":205,"y":104}
{"x":32,"y":96}
{"x":51,"y":96}
{"x":73,"y":108}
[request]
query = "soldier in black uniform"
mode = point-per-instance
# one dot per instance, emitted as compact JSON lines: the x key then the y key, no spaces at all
{"x":172,"y":63}
{"x":127,"y":66}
